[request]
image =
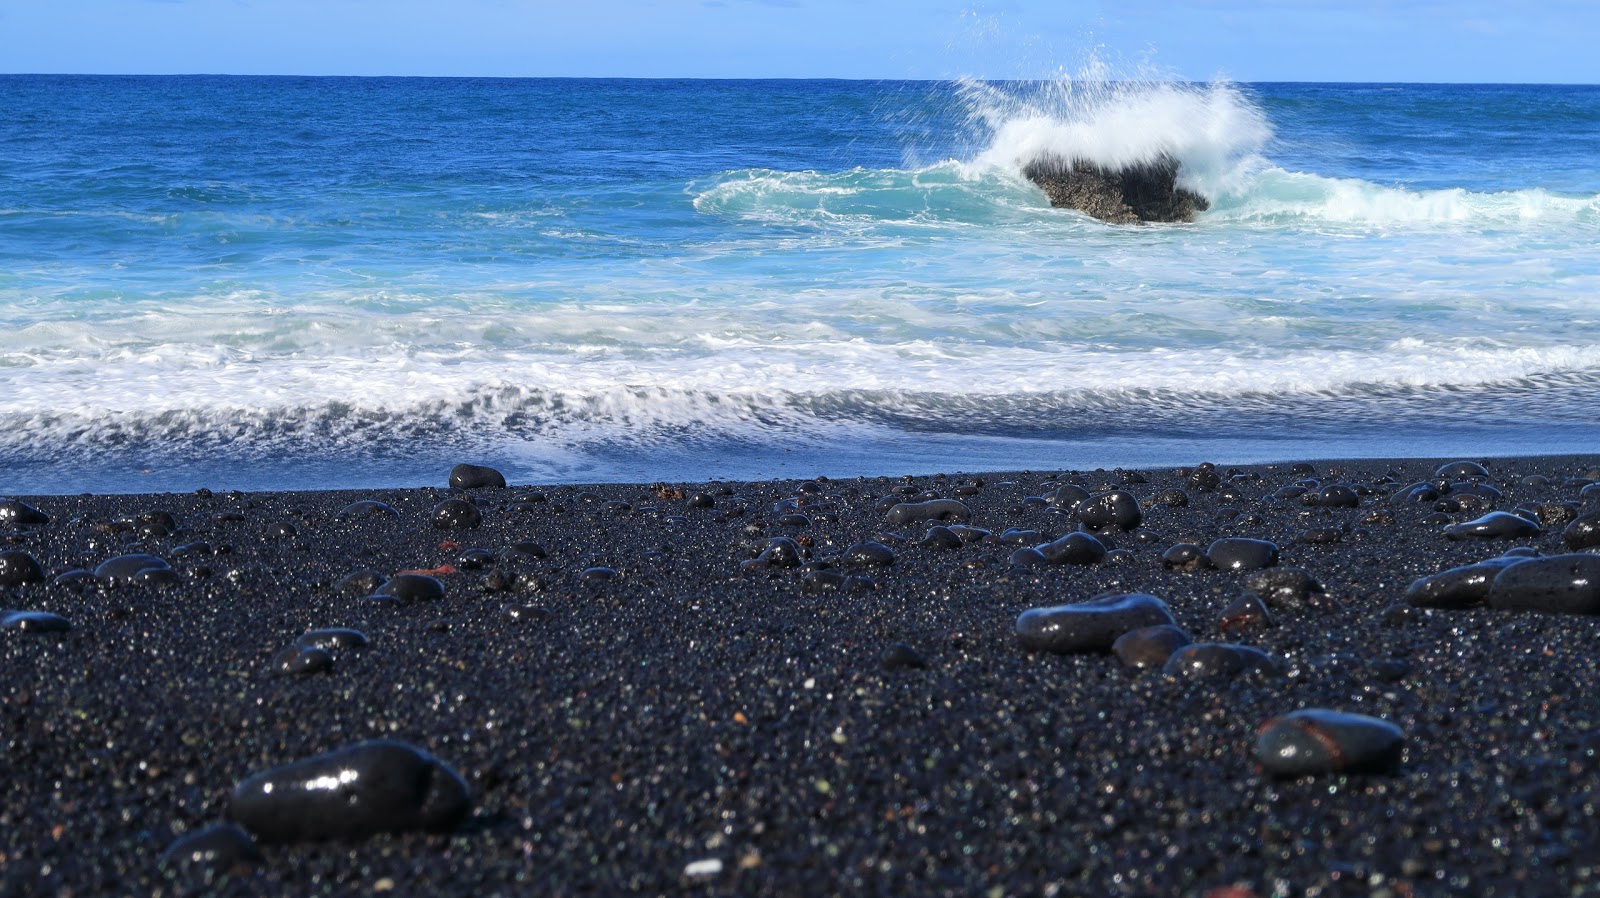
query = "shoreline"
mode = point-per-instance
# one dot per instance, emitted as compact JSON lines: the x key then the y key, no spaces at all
{"x":638,"y":705}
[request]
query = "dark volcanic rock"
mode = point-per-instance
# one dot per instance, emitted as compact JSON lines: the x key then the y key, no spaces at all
{"x":903,"y":657}
{"x":1237,"y":553}
{"x":352,"y":793}
{"x":126,"y":568}
{"x":1091,"y":626}
{"x":1460,"y":587}
{"x":333,"y":639}
{"x":1568,"y":584}
{"x":211,"y":852}
{"x":456,"y":514}
{"x":1074,"y":548}
{"x":15,"y":511}
{"x":1583,"y":532}
{"x":1218,"y":659}
{"x":1289,"y":588}
{"x":1244,"y":614}
{"x":1494,"y":525}
{"x":1136,"y":193}
{"x":407,"y":588}
{"x":472,"y":477}
{"x":18,"y":567}
{"x":1317,"y":740}
{"x":366,"y":508}
{"x":34,"y":622}
{"x":301,"y":660}
{"x":1117,"y":509}
{"x":931,"y":510}
{"x":1149,"y":647}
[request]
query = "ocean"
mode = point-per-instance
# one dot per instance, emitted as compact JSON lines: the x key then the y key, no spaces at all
{"x":301,"y":283}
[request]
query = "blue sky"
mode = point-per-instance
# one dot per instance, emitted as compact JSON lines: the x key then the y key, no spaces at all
{"x":1247,"y":40}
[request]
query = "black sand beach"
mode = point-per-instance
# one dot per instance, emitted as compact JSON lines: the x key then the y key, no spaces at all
{"x":639,"y":706}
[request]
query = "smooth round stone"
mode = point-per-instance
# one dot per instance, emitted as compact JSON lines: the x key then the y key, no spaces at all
{"x":526,"y":613}
{"x":301,"y":661}
{"x":1244,"y":614}
{"x":869,"y":554}
{"x":1336,"y":495}
{"x":1204,"y":478}
{"x":76,"y":578}
{"x":456,"y":514}
{"x":472,"y":477}
{"x":823,"y":581}
{"x":1149,"y":647}
{"x":1117,"y":508}
{"x":1289,"y":589}
{"x":702,"y":500}
{"x":1583,"y":532}
{"x":359,"y":583}
{"x":1173,"y":498}
{"x":332,"y":639}
{"x":1091,"y":626}
{"x":1185,"y":557}
{"x":1320,"y":536}
{"x":779,"y":552}
{"x":940,"y":537}
{"x":1238,"y":553}
{"x":1468,"y":469}
{"x":903,"y":657}
{"x":124,"y":568}
{"x":15,"y":511}
{"x":475,"y":559}
{"x":1494,"y":525}
{"x":407,"y":588}
{"x":1014,"y":536}
{"x":1218,"y":659}
{"x":18,"y":567}
{"x":1415,"y":494}
{"x":532,"y":550}
{"x":1459,"y":587}
{"x":594,"y":576}
{"x":1074,"y":548}
{"x":1566,"y":584}
{"x":366,"y":508}
{"x":352,"y":793}
{"x":1027,"y":556}
{"x":1316,"y":741}
{"x":211,"y":852}
{"x":950,"y":510}
{"x":1068,"y":496}
{"x":34,"y":622}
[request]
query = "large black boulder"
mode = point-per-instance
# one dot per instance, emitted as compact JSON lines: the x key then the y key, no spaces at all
{"x":1145,"y":191}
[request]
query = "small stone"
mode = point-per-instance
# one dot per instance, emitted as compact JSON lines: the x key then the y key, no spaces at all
{"x":352,"y":793}
{"x":1566,"y":584}
{"x":1583,"y":532}
{"x":1218,"y":659}
{"x":1068,"y":496}
{"x":332,"y":639}
{"x":594,"y":576}
{"x":18,"y":567}
{"x":456,"y":514}
{"x":1149,"y":647}
{"x":408,"y":588}
{"x":1460,"y":587}
{"x":779,"y":552}
{"x":34,"y":622}
{"x":301,"y":661}
{"x":1336,"y":495}
{"x":1245,"y":614}
{"x":1289,"y":589}
{"x":869,"y":554}
{"x":211,"y":852}
{"x":950,"y":510}
{"x":1237,"y":553}
{"x":123,"y":569}
{"x":1091,"y":626}
{"x":359,"y":583}
{"x":1074,"y":548}
{"x":940,"y":537}
{"x":17,"y":512}
{"x":1185,"y":557}
{"x":472,"y":477}
{"x":1117,"y":509}
{"x":902,"y":657}
{"x":1494,"y":525}
{"x":1173,"y":498}
{"x":1460,"y":469}
{"x":532,"y":550}
{"x":1316,"y":740}
{"x":366,"y":508}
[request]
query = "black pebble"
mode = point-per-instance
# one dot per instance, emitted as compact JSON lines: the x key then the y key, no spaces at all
{"x":125,"y":568}
{"x":940,"y":537}
{"x":1237,"y":553}
{"x":1336,"y":495}
{"x":1469,"y":469}
{"x":1185,"y":556}
{"x":456,"y":514}
{"x":1117,"y":509}
{"x":1583,"y":532}
{"x":15,"y":511}
{"x":1244,"y":614}
{"x":869,"y":554}
{"x":594,"y":576}
{"x":1567,"y":584}
{"x":1494,"y":525}
{"x":1218,"y":659}
{"x":407,"y":588}
{"x":1091,"y":626}
{"x":333,"y":639}
{"x":1149,"y":647}
{"x":1074,"y":548}
{"x":1289,"y":588}
{"x":902,"y":657}
{"x":352,"y":793}
{"x":211,"y":852}
{"x":471,"y":477}
{"x":18,"y":567}
{"x":931,"y":510}
{"x":1459,"y":587}
{"x":366,"y":508}
{"x":359,"y":583}
{"x":1317,"y":740}
{"x":300,"y":661}
{"x":34,"y":622}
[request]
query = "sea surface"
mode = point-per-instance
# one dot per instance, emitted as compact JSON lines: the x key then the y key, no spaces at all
{"x":294,"y":283}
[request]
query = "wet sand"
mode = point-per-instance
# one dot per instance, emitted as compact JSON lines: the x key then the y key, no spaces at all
{"x":637,"y":709}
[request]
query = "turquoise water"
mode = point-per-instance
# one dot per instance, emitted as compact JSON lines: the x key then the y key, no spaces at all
{"x":300,"y":283}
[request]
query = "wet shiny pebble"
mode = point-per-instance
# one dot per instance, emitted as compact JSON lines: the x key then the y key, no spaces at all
{"x":1238,"y":553}
{"x":18,"y":567}
{"x":1289,"y":589}
{"x":15,"y":511}
{"x":124,"y":569}
{"x":472,"y":477}
{"x":947,"y":510}
{"x":1074,"y":548}
{"x":1565,"y":584}
{"x":1336,"y":495}
{"x":33,"y":622}
{"x":1091,"y":626}
{"x":1317,"y":740}
{"x":594,"y":576}
{"x":1185,"y":557}
{"x":1583,"y":532}
{"x":1245,"y":614}
{"x":359,"y":583}
{"x":332,"y":639}
{"x":366,"y":508}
{"x":1494,"y":525}
{"x":407,"y":588}
{"x":903,"y":657}
{"x":352,"y":793}
{"x":1459,"y":587}
{"x":301,"y":661}
{"x":456,"y":514}
{"x":869,"y":554}
{"x":1117,"y":509}
{"x":211,"y":852}
{"x":1219,"y":659}
{"x":1149,"y":647}
{"x":778,"y":552}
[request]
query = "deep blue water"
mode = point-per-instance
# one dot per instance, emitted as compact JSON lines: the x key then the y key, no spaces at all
{"x":312,"y":282}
